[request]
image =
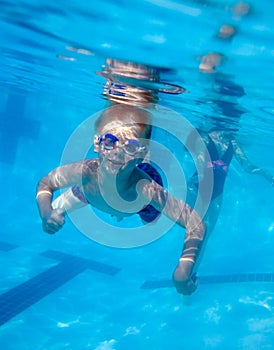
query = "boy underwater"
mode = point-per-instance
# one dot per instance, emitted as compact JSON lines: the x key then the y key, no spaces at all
{"x":118,"y":183}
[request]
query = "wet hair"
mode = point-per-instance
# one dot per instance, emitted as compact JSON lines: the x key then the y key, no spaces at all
{"x":121,"y":115}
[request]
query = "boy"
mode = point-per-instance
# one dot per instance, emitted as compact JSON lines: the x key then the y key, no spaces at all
{"x":115,"y":184}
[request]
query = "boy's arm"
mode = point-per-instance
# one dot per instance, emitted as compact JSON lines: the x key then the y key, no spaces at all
{"x":180,"y":212}
{"x":63,"y":176}
{"x":248,"y":166}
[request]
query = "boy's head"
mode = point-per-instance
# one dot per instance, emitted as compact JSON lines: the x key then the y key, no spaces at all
{"x":123,"y":134}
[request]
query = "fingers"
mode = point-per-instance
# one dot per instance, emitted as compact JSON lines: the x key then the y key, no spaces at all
{"x":57,"y":217}
{"x":53,"y":223}
{"x":52,"y":228}
{"x":185,"y":287}
{"x":184,"y":282}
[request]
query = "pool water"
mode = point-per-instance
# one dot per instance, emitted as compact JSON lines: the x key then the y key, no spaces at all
{"x":66,"y":291}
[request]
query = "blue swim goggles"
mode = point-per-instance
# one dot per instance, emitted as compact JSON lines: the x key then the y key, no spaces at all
{"x":131,"y":147}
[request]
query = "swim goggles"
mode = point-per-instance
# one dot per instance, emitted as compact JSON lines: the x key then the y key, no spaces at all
{"x":131,"y":147}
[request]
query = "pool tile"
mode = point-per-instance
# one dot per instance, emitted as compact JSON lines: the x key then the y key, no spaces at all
{"x":235,"y":278}
{"x":17,"y":299}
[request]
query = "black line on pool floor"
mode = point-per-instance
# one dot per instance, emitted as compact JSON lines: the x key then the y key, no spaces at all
{"x":235,"y":278}
{"x":26,"y":294}
{"x":19,"y":298}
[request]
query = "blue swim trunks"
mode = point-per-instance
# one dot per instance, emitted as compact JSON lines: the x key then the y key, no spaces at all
{"x":149,"y":213}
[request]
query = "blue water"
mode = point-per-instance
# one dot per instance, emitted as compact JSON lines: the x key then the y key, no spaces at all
{"x":69,"y":292}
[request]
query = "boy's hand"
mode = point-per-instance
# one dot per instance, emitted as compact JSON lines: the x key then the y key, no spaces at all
{"x":184,"y":282}
{"x":54,"y":221}
{"x":186,"y":287}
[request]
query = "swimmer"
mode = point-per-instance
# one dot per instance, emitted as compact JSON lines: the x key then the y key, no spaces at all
{"x":122,"y":142}
{"x":219,"y":136}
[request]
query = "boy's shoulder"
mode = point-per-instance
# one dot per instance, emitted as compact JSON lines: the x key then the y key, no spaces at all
{"x":91,"y":165}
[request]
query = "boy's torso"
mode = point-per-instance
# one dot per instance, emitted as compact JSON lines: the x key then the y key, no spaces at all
{"x":105,"y":196}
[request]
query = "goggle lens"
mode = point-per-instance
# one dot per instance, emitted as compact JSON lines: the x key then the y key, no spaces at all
{"x":109,"y":142}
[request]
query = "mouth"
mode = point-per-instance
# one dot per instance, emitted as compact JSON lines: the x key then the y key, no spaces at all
{"x":115,"y":163}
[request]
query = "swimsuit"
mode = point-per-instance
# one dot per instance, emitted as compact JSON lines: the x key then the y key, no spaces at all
{"x":148,"y":213}
{"x":219,"y":166}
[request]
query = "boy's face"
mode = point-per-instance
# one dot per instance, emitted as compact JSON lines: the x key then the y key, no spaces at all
{"x":120,"y":149}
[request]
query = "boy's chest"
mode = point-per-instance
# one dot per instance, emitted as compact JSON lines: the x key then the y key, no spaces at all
{"x":107,"y":199}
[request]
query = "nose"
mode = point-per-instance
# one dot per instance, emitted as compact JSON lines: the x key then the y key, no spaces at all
{"x":118,"y":150}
